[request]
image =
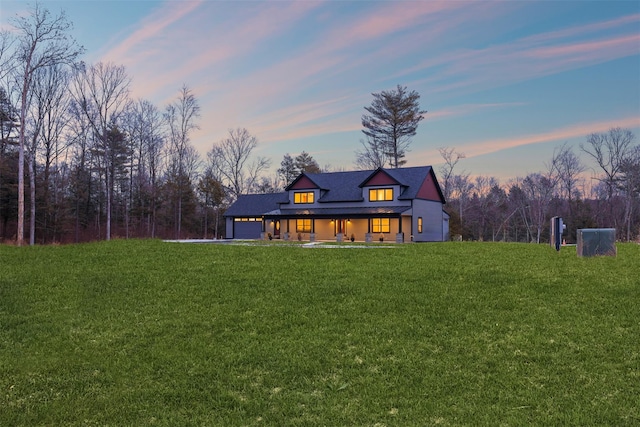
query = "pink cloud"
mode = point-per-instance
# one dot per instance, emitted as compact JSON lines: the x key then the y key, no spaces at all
{"x":574,"y":131}
{"x":207,"y":50}
{"x":596,"y":50}
{"x":616,"y":23}
{"x":466,"y":109}
{"x":524,"y":59}
{"x":390,"y":18}
{"x":170,"y":13}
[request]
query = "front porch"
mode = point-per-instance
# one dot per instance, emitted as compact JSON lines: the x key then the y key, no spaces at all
{"x":386,"y":229}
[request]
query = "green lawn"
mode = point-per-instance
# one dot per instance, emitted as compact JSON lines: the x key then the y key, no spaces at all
{"x":146,"y":333}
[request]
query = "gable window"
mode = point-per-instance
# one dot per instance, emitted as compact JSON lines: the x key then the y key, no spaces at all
{"x":380,"y":225}
{"x":380,"y":194}
{"x":419,"y":224}
{"x":303,"y":197}
{"x":303,"y":225}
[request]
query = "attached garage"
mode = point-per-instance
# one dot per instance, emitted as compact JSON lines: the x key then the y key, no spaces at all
{"x":247,"y":228}
{"x":244,"y":219}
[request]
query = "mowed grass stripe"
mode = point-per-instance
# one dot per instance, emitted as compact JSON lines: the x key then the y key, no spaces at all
{"x":153,"y":333}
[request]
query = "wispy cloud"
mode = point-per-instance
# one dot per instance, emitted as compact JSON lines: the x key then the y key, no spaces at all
{"x":150,"y":29}
{"x":578,"y":130}
{"x":294,"y":70}
{"x":530,"y":57}
{"x":467,"y":109}
{"x":585,"y":29}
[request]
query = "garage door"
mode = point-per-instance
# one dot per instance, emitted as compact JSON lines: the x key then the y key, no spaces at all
{"x":247,"y":230}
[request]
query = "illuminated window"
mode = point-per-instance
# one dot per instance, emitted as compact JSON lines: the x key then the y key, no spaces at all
{"x":247,"y":219}
{"x":303,"y":225}
{"x":380,"y":225}
{"x":419,"y":224}
{"x":306,"y":197}
{"x":380,"y":194}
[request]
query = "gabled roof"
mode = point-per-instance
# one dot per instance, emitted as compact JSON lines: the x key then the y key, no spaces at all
{"x":302,"y":181}
{"x":412,"y":179}
{"x":379,"y":176}
{"x":339,"y":186}
{"x":347,"y":186}
{"x":250,"y":205}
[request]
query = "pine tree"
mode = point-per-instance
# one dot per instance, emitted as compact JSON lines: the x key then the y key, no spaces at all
{"x":392,"y":120}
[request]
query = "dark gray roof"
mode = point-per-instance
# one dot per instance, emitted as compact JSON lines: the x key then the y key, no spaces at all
{"x":340,"y":186}
{"x":330,"y":212}
{"x":256,"y":204}
{"x":347,"y":186}
{"x":411,"y":178}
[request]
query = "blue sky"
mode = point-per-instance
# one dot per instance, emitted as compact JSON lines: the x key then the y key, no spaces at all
{"x":504,"y":82}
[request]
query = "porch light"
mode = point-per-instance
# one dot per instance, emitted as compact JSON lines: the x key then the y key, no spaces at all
{"x":349,"y":221}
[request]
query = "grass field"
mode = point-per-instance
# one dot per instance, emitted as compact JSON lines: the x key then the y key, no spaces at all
{"x":146,"y":333}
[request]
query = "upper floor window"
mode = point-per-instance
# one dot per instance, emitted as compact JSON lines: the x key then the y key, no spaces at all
{"x":380,"y":194}
{"x":305,"y":197}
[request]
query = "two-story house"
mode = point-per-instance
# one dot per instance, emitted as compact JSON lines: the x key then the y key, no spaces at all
{"x":401,"y":205}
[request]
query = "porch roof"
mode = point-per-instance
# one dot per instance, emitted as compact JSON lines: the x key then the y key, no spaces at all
{"x":353,"y":212}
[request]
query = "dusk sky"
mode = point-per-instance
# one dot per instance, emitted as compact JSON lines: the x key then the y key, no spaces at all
{"x":504,"y":82}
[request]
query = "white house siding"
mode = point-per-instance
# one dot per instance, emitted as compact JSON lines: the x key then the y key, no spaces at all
{"x":432,"y":221}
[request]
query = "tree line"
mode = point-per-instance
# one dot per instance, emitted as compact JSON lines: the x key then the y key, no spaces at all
{"x":80,"y":159}
{"x":520,"y":210}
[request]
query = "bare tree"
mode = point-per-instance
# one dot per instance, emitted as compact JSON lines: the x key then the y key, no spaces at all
{"x":181,"y":118}
{"x":43,"y":41}
{"x":539,"y":190}
{"x":462,"y":186}
{"x":609,"y":151}
{"x":79,"y":134}
{"x":6,"y":41}
{"x":229,"y":158}
{"x":568,"y":168}
{"x":451,"y":159}
{"x":393,"y":119}
{"x":102,"y":93}
{"x":146,"y":128}
{"x":50,"y":103}
{"x":372,"y":155}
{"x":630,"y":187}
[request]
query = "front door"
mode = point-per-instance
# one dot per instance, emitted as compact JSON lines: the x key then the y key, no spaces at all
{"x":276,"y":229}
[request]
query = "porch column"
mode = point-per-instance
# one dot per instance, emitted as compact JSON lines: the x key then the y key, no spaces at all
{"x":367,"y":237}
{"x":312,"y":235}
{"x":400,"y":235}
